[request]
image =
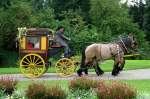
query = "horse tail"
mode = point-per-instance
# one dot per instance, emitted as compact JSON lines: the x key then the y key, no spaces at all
{"x":83,"y":58}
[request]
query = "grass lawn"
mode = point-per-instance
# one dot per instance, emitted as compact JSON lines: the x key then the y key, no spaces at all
{"x":140,"y":85}
{"x":106,"y":66}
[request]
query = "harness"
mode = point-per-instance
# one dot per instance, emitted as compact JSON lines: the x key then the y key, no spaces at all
{"x":118,"y":52}
{"x":124,"y":46}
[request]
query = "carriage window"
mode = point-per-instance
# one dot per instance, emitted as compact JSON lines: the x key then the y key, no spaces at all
{"x":33,"y":42}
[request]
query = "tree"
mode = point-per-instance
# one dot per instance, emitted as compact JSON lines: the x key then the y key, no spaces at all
{"x":18,"y":15}
{"x":41,"y":4}
{"x":110,"y":17}
{"x":5,"y":3}
{"x":147,"y":20}
{"x":75,"y":5}
{"x":137,"y":12}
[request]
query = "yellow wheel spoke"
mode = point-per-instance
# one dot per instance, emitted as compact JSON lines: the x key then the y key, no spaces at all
{"x":39,"y":62}
{"x":40,"y":65}
{"x":33,"y":59}
{"x":36,"y":60}
{"x":25,"y":65}
{"x":25,"y":62}
{"x":30,"y":59}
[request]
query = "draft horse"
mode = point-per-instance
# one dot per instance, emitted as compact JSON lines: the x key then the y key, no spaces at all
{"x":96,"y":53}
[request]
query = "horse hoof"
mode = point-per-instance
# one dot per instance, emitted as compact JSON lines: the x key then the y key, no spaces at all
{"x":114,"y":74}
{"x":79,"y":73}
{"x":99,"y":74}
{"x":102,"y":72}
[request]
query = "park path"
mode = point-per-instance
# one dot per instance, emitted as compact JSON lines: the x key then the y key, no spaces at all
{"x":138,"y":74}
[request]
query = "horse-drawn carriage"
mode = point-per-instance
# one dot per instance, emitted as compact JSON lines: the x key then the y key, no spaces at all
{"x":35,"y":48}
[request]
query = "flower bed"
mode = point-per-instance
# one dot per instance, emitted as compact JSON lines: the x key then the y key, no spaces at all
{"x":78,"y":88}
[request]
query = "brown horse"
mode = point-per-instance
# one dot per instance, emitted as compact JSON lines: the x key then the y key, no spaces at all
{"x":96,"y":53}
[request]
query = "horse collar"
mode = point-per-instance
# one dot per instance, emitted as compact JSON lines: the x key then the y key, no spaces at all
{"x":123,"y":47}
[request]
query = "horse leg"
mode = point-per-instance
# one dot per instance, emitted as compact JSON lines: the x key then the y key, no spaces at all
{"x":98,"y":70}
{"x":115,"y":70}
{"x":79,"y":72}
{"x":86,"y":71}
{"x":122,"y":63}
{"x":82,"y":66}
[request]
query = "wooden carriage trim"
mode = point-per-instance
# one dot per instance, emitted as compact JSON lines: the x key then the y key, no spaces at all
{"x":33,"y":51}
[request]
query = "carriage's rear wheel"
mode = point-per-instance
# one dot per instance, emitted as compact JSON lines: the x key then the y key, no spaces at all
{"x":65,"y":67}
{"x":32,"y":65}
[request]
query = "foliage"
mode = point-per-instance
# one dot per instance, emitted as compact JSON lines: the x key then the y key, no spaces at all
{"x":81,"y":94}
{"x":86,"y":22}
{"x":8,"y":84}
{"x":1,"y":93}
{"x":82,"y":83}
{"x":143,"y":95}
{"x":137,"y":12}
{"x":18,"y":94}
{"x":40,"y":91}
{"x":147,"y":19}
{"x":9,"y":58}
{"x":115,"y":90}
{"x":43,"y":19}
{"x":64,"y":5}
{"x":55,"y":92}
{"x":36,"y":91}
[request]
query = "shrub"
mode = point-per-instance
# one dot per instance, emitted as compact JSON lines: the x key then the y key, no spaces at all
{"x":8,"y":84}
{"x":1,"y":93}
{"x":81,"y":94}
{"x":143,"y":95}
{"x":36,"y":91}
{"x":17,"y":94}
{"x":55,"y":92}
{"x":115,"y":90}
{"x":39,"y":91}
{"x":82,"y":83}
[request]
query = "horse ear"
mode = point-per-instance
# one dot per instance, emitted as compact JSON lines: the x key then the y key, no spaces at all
{"x":130,"y":35}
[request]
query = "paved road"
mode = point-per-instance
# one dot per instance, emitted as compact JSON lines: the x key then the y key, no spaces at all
{"x":124,"y":75}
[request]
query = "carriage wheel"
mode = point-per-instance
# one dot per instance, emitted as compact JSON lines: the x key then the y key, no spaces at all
{"x":32,"y":65}
{"x":65,"y":67}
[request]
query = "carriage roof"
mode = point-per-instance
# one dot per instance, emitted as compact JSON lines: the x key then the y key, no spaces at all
{"x":39,"y":31}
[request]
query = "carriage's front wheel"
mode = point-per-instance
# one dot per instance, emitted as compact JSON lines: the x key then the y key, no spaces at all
{"x":32,"y":65}
{"x":65,"y":67}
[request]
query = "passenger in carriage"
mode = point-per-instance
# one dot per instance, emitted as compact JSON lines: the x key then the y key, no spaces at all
{"x":62,"y":40}
{"x":30,"y":44}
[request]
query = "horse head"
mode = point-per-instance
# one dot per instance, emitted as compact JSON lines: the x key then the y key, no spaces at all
{"x":134,"y":43}
{"x":129,"y":43}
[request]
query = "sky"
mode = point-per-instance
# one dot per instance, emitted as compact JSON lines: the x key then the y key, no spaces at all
{"x":131,"y":2}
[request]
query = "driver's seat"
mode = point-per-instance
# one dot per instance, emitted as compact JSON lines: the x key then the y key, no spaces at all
{"x":55,"y":45}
